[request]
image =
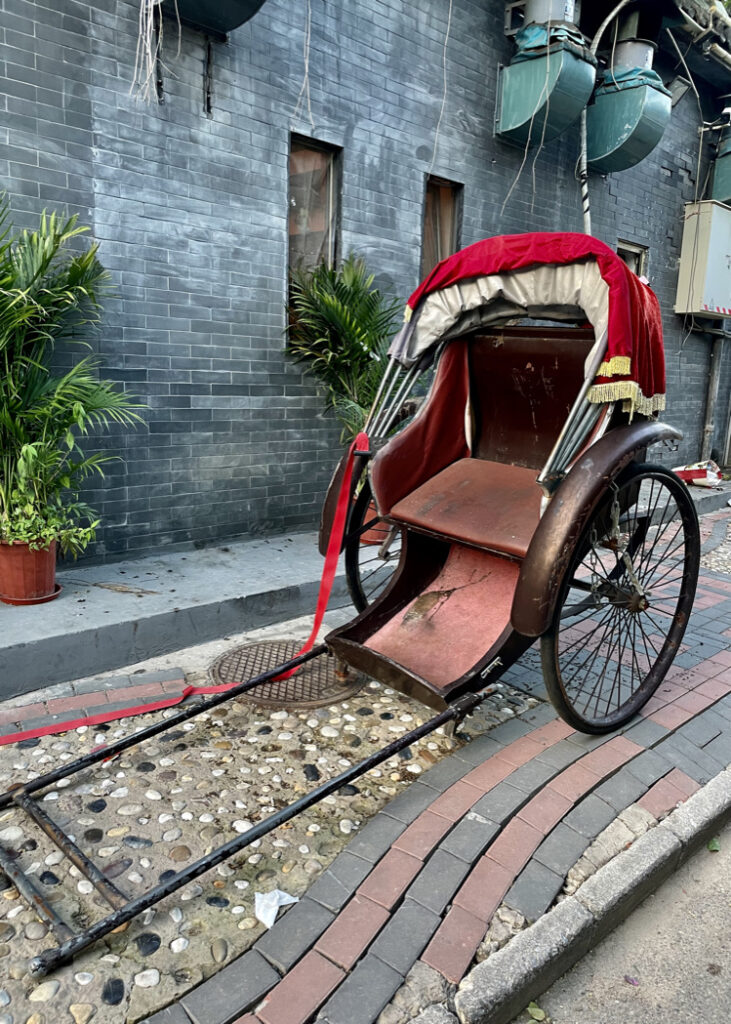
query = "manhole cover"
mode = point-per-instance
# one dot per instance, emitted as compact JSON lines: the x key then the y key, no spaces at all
{"x":313,"y":685}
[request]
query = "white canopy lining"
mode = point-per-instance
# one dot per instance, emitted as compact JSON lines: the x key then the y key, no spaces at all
{"x":556,"y":292}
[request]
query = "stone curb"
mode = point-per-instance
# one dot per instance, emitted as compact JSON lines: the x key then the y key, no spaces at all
{"x":498,"y":989}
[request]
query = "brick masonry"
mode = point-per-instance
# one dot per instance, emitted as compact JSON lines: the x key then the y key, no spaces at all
{"x":191,"y":215}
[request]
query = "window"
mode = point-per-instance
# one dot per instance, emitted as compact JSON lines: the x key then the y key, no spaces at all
{"x":442,"y":215}
{"x":313,"y":205}
{"x":635,"y":256}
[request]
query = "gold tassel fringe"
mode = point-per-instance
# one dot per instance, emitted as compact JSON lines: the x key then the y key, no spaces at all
{"x":628,"y":392}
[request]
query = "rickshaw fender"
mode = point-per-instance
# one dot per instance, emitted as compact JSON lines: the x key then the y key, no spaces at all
{"x":561,"y":525}
{"x":331,"y":498}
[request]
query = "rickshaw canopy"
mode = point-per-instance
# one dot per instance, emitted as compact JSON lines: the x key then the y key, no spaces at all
{"x":547,"y":275}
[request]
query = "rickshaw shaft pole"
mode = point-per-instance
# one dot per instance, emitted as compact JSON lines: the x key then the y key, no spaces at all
{"x":106,"y":752}
{"x":52,"y":958}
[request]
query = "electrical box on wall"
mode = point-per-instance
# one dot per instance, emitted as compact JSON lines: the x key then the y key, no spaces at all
{"x":704,"y":281}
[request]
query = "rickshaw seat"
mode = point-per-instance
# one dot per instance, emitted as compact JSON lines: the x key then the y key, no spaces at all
{"x":494,"y":506}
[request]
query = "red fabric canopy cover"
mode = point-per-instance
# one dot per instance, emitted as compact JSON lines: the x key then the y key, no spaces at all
{"x":634,"y":367}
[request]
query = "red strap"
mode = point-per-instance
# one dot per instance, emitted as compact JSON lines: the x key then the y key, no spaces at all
{"x":334,"y":545}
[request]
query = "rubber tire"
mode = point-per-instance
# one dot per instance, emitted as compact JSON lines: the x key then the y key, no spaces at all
{"x":560,"y":699}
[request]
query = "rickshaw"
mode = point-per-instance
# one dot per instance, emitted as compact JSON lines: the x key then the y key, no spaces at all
{"x":515,"y":505}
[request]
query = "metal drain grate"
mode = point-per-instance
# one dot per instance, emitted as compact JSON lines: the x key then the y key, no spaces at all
{"x":312,"y":686}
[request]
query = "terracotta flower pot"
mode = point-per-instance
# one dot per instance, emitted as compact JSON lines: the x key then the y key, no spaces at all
{"x":27,"y":577}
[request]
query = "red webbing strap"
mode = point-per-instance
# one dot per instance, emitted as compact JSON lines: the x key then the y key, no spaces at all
{"x":334,"y":545}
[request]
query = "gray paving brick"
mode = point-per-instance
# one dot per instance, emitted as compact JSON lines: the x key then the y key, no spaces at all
{"x":408,"y":805}
{"x":376,"y":838}
{"x":560,"y":755}
{"x":501,"y":803}
{"x":649,"y":766}
{"x":337,"y":884}
{"x":561,"y":849}
{"x":534,"y":891}
{"x":591,"y":816}
{"x":645,"y":732}
{"x":293,"y":934}
{"x":703,"y":728}
{"x":541,"y":714}
{"x":442,"y":775}
{"x":96,"y":685}
{"x":720,"y":748}
{"x":363,"y":994}
{"x":687,"y":756}
{"x":438,"y":881}
{"x":470,"y":837}
{"x":508,"y":732}
{"x":479,"y":750}
{"x":402,"y":940}
{"x":532,"y":776}
{"x":230,"y":992}
{"x":621,"y":790}
{"x":173,"y":1014}
{"x":586,"y":742}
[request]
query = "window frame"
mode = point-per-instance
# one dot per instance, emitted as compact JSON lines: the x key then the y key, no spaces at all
{"x":635,"y":249}
{"x":334,"y":193}
{"x":457,"y":191}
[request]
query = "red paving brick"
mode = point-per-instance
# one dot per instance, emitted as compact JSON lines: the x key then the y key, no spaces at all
{"x":59,"y":705}
{"x":521,"y":751}
{"x":552,"y":732}
{"x":488,"y":774}
{"x":170,"y":685}
{"x":301,"y":992}
{"x":390,"y":877}
{"x":483,"y":890}
{"x":705,"y":669}
{"x":515,"y":844}
{"x":423,"y":835}
{"x":248,"y":1018}
{"x":693,"y":701}
{"x":352,"y":931}
{"x":456,"y":801}
{"x":671,"y":716}
{"x":715,"y":688}
{"x":668,"y":691}
{"x":722,"y":658}
{"x":545,"y":810}
{"x":134,"y":694}
{"x":455,"y":943}
{"x":22,"y":712}
{"x":611,"y":755}
{"x":683,"y":782}
{"x":661,"y":798}
{"x":574,"y":782}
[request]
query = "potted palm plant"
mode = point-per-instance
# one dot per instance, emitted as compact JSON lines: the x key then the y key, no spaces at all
{"x":340,"y":327}
{"x":50,"y":292}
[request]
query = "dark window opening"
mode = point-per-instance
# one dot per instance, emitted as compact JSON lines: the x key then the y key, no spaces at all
{"x":313,"y":204}
{"x":635,"y":256}
{"x":442,"y":222}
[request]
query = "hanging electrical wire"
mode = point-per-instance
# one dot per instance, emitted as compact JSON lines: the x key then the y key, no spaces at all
{"x":148,"y":56}
{"x":304,"y":93}
{"x":444,"y":86}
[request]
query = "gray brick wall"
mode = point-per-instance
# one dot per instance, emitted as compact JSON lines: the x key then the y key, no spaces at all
{"x":190,"y":212}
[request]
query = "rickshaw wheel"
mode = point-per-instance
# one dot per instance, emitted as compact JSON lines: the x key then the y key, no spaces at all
{"x":372,"y":550}
{"x":624,"y":602}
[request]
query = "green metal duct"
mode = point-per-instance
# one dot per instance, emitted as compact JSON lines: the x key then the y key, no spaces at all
{"x":546,"y":85}
{"x":214,"y":17}
{"x":627,"y":118}
{"x":722,"y":170}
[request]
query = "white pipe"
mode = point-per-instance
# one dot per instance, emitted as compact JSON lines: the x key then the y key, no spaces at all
{"x":583,"y":162}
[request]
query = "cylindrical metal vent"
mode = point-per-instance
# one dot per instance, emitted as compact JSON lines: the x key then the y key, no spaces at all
{"x":634,"y":53}
{"x":540,"y":12}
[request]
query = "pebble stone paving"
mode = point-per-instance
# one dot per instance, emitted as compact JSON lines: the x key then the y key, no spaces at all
{"x":156,"y":809}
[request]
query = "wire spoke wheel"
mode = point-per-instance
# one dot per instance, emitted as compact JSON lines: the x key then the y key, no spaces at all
{"x":625,"y":601}
{"x":372,"y":551}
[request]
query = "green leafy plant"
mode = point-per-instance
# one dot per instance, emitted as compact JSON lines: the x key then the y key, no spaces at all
{"x":50,"y":293}
{"x":340,"y":327}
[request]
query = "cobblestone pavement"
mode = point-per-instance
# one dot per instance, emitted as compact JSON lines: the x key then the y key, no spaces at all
{"x":430,"y":862}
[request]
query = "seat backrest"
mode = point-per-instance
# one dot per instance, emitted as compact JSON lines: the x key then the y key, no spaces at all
{"x":523,"y":383}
